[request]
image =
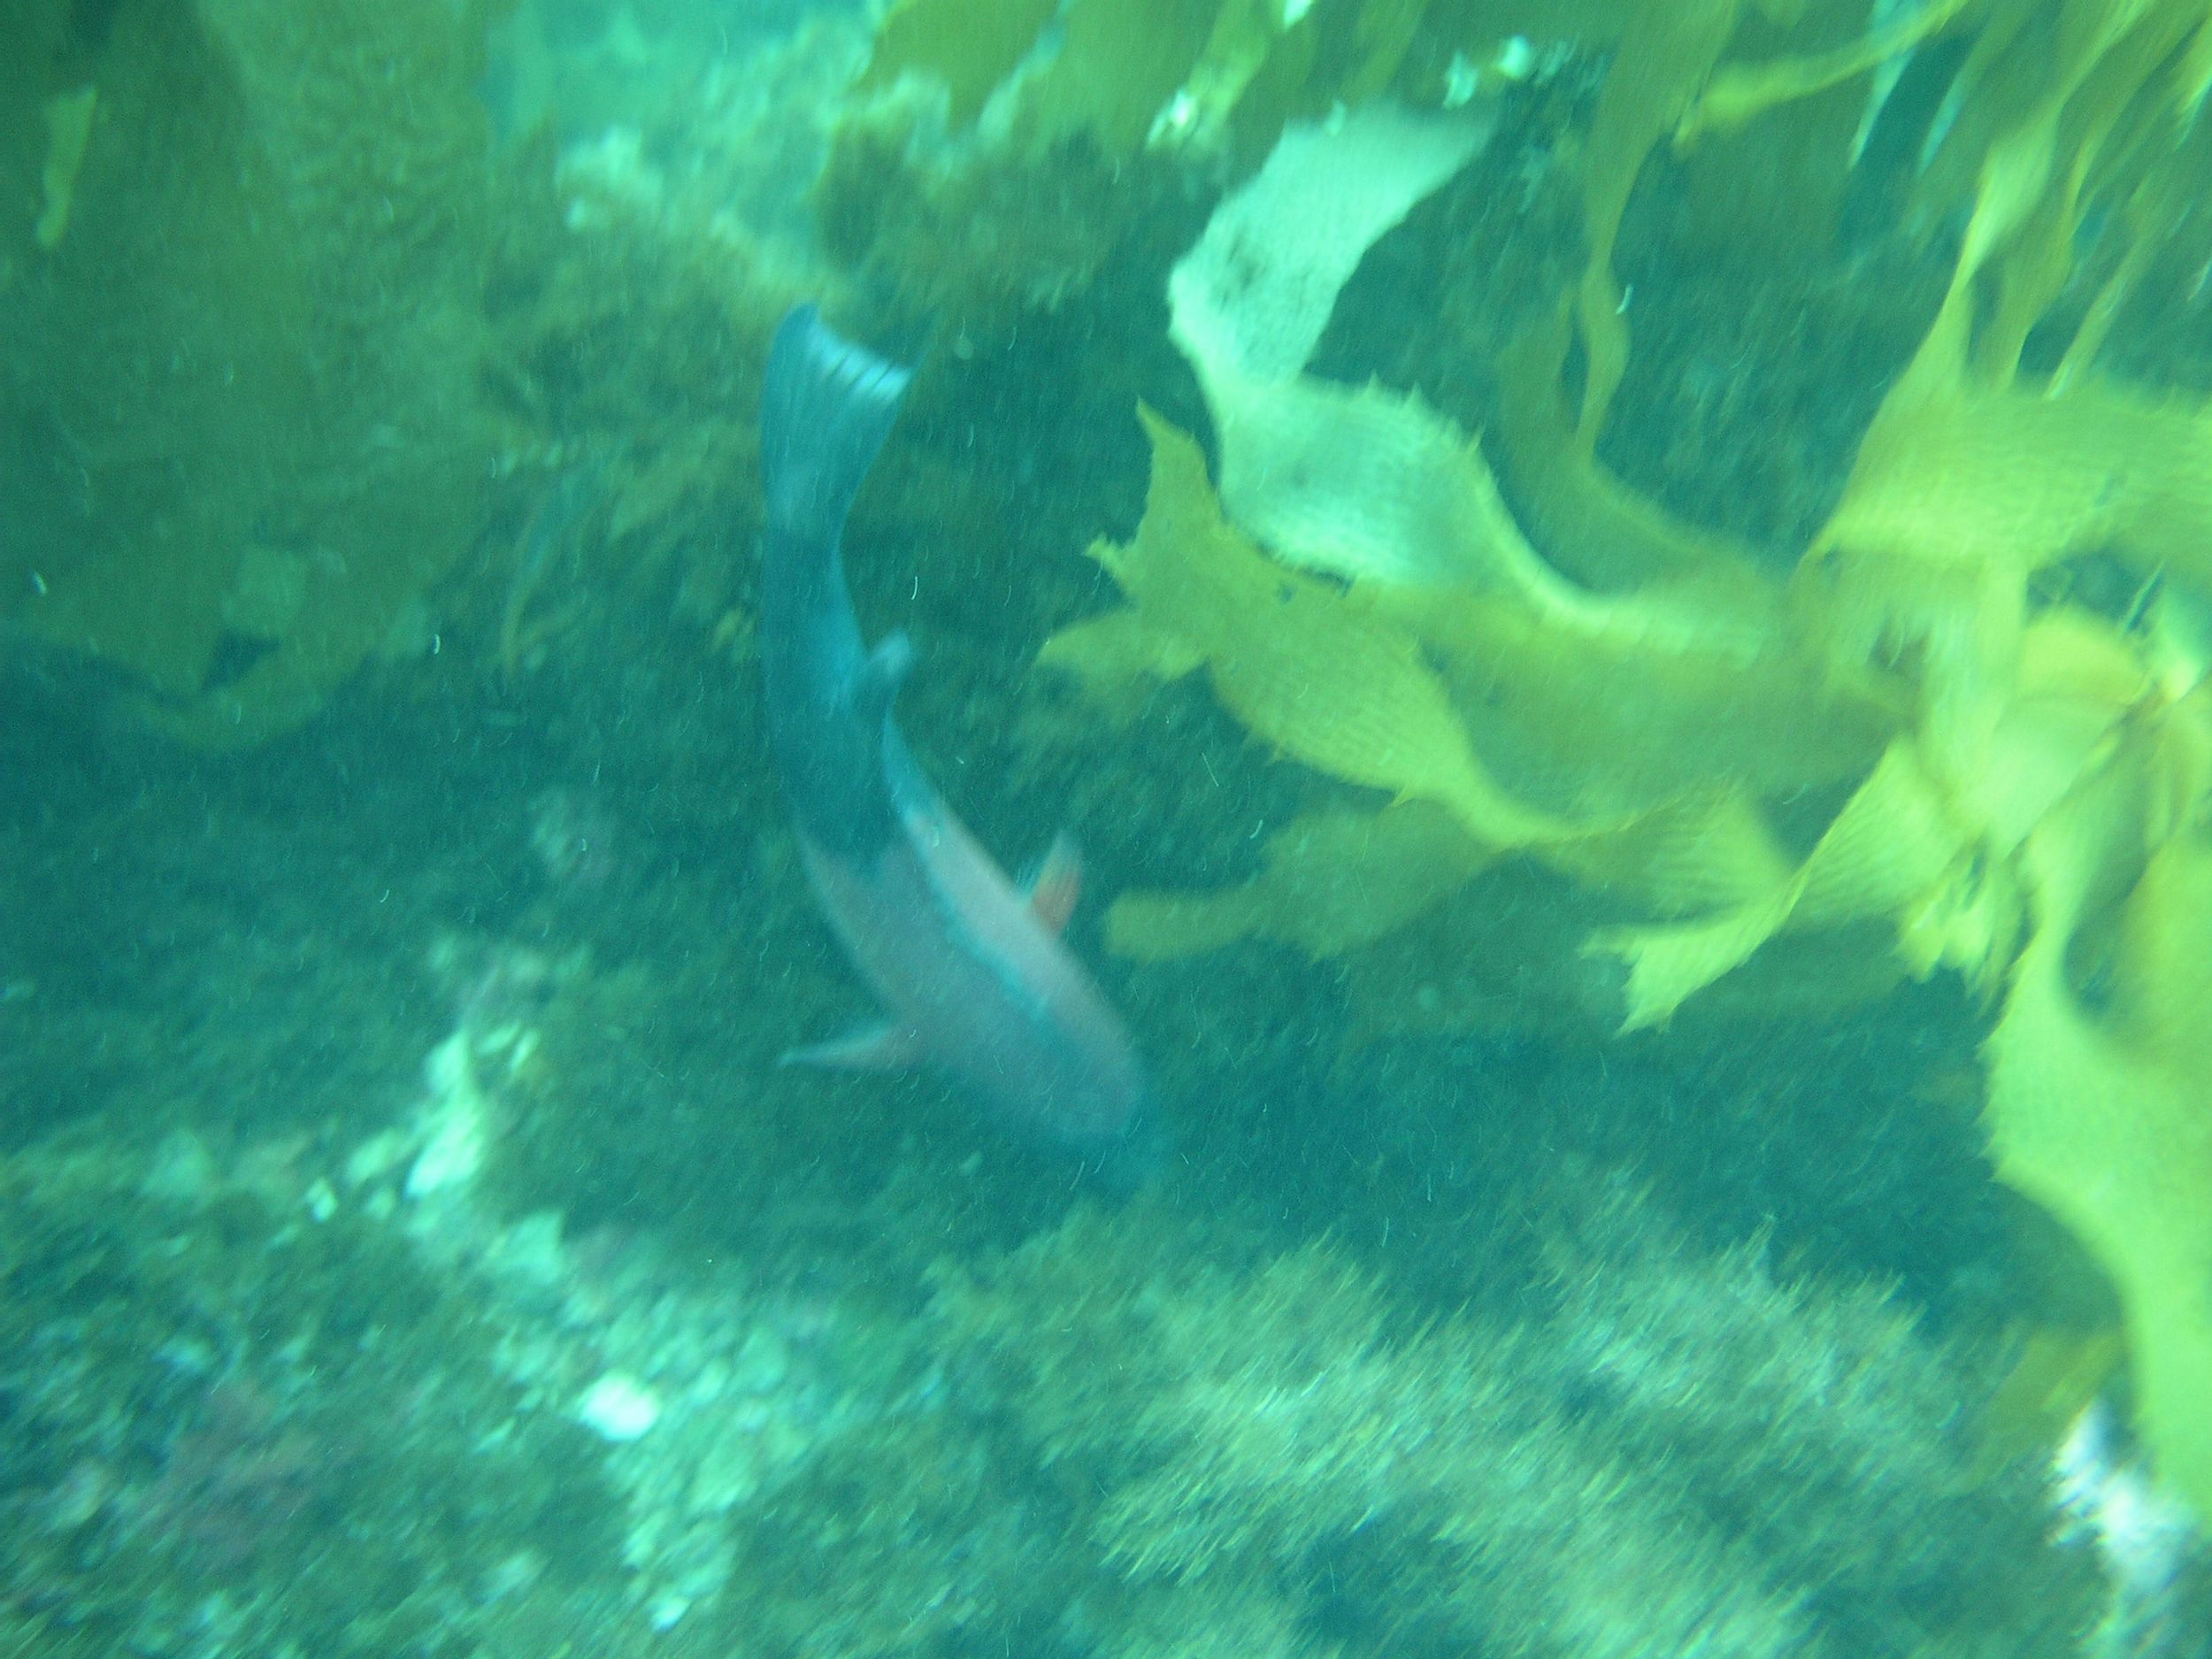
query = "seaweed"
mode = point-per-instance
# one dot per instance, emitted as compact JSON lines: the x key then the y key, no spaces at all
{"x":1656,"y":1449}
{"x":244,"y":432}
{"x":1919,"y":745}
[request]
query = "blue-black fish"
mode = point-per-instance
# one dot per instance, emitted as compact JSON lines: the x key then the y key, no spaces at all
{"x":970,"y":971}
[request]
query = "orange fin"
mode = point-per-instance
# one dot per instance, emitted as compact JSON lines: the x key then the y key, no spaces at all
{"x":1058,"y":884}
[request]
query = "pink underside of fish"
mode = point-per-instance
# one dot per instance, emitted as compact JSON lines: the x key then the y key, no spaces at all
{"x":974,"y":980}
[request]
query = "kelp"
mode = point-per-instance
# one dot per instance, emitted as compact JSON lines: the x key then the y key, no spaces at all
{"x":1665,"y":57}
{"x":1673,"y":79}
{"x":2057,"y":111}
{"x":1327,"y":681}
{"x":1156,"y":72}
{"x":2057,"y":739}
{"x":243,"y":437}
{"x":1917,"y":754}
{"x":1333,"y":879}
{"x":1639,"y":726}
{"x":1315,"y":672}
{"x":969,"y":50}
{"x":68,"y":130}
{"x":1005,"y":155}
{"x":1925,"y":841}
{"x":1347,"y":682}
{"x":2101,"y":1114}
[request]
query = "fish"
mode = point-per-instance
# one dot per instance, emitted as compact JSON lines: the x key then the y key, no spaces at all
{"x":972,"y":972}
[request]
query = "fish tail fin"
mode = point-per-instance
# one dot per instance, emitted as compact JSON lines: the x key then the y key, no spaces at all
{"x":827,"y":407}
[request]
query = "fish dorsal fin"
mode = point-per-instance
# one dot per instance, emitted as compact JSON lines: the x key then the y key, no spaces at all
{"x":1058,"y":884}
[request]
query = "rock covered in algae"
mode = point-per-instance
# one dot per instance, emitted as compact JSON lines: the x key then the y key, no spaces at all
{"x":1662,"y":1451}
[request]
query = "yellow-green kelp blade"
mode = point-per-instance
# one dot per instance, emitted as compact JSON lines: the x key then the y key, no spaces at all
{"x":1333,"y":879}
{"x":2105,"y":1120}
{"x":1306,"y":667}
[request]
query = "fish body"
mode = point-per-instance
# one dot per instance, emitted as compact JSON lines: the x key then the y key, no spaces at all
{"x":970,"y":969}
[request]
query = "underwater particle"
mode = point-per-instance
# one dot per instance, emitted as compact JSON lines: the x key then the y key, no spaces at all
{"x":620,"y":1407}
{"x":68,"y":129}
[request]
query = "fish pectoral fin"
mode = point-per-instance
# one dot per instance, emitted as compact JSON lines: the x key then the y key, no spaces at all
{"x":883,"y":1046}
{"x":882,"y":674}
{"x":1056,"y":885}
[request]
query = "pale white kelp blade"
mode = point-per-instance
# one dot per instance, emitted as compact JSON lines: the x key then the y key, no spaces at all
{"x":1256,"y":292}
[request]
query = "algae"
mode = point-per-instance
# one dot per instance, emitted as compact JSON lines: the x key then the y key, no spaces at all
{"x":1317,"y":672}
{"x":2100,"y":1115}
{"x":1895,"y":739}
{"x":69,"y":128}
{"x":197,"y":1363}
{"x":1279,"y":1431}
{"x":257,"y":345}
